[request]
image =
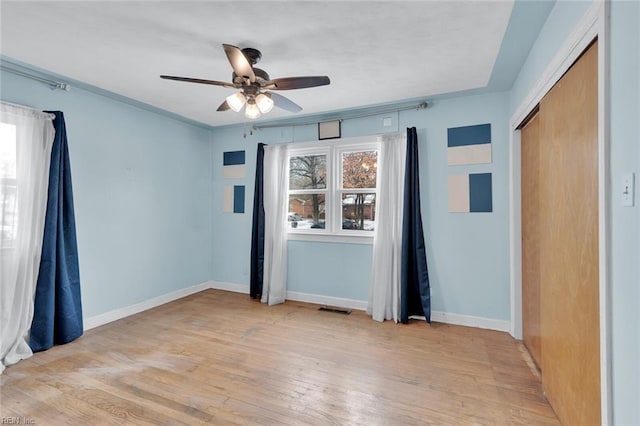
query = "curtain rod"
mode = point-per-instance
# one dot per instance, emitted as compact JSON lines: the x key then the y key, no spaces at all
{"x":21,"y":106}
{"x":47,"y":115}
{"x":54,"y":84}
{"x":421,"y":105}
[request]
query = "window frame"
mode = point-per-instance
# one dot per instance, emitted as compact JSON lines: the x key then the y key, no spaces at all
{"x":334,"y":149}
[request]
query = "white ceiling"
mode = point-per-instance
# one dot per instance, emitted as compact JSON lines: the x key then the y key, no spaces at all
{"x":373,"y":52}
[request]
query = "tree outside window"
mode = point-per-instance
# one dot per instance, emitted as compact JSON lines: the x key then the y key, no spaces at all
{"x":307,"y":175}
{"x":359,"y":172}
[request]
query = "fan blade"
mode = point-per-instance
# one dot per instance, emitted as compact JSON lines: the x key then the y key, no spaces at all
{"x":198,"y":80}
{"x":289,"y":83}
{"x":284,"y":103}
{"x":223,"y":106}
{"x":239,"y":62}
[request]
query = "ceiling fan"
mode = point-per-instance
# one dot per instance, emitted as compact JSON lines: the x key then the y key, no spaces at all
{"x":256,"y":88}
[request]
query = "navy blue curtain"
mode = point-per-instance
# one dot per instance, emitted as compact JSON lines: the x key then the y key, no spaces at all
{"x":257,"y":232}
{"x":58,"y":309}
{"x":415,"y":294}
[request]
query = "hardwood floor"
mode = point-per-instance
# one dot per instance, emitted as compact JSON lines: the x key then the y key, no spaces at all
{"x":220,"y":358}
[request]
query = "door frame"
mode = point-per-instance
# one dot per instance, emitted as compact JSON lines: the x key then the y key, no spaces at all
{"x":593,"y":24}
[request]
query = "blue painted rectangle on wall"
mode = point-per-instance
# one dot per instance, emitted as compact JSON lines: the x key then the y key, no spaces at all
{"x":480,"y":197}
{"x":233,"y":167}
{"x":232,"y":158}
{"x":469,"y":135}
{"x":238,"y":199}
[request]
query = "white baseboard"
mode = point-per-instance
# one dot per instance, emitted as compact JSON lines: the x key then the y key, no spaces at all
{"x":436,"y":316}
{"x":471,"y":321}
{"x":319,"y":299}
{"x":338,"y":302}
{"x":236,"y":288}
{"x":116,"y":314}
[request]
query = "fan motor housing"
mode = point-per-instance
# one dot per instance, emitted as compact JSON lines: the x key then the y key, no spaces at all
{"x":252,"y":55}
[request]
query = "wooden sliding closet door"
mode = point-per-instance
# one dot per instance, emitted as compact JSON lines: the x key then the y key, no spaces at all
{"x":569,"y":291}
{"x":530,"y":188}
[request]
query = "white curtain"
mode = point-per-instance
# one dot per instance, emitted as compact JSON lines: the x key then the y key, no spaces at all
{"x":26,"y":138}
{"x":276,"y":182}
{"x":384,"y":290}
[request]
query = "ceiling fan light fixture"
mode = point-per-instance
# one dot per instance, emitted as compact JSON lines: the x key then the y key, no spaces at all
{"x":254,"y":88}
{"x":252,"y":111}
{"x":264,"y":102}
{"x":236,"y":101}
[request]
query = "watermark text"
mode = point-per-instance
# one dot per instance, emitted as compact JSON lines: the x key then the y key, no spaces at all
{"x":15,"y":420}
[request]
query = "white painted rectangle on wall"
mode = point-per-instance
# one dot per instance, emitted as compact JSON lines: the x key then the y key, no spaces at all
{"x":469,"y":154}
{"x":235,"y":171}
{"x":227,"y":199}
{"x":459,"y":193}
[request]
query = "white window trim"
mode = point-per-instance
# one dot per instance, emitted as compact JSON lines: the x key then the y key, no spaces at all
{"x":334,"y":149}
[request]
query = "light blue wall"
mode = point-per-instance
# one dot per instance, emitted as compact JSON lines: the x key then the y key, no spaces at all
{"x":231,"y":233}
{"x":563,"y":18}
{"x":624,"y":141}
{"x":468,"y":254}
{"x":462,"y":248}
{"x":526,"y":18}
{"x":142,"y":195}
{"x":330,"y":269}
{"x":624,"y":157}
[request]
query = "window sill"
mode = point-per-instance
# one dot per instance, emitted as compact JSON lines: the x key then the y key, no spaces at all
{"x":330,"y":238}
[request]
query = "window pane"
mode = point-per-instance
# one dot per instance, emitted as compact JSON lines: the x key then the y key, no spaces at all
{"x":8,"y":185}
{"x":7,"y":150}
{"x":308,"y":172}
{"x":359,"y":211}
{"x":306,"y":211}
{"x":359,"y":169}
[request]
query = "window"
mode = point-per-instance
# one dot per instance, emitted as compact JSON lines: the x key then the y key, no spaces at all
{"x":307,"y":190}
{"x":332,"y":189}
{"x":8,"y":185}
{"x":357,"y":189}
